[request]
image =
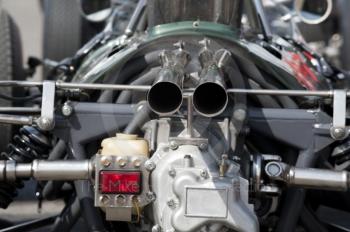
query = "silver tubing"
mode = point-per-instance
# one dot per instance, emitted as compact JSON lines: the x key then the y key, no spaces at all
{"x":71,"y":85}
{"x":295,"y":93}
{"x":16,"y":119}
{"x":25,"y":110}
{"x":144,"y":88}
{"x":308,"y":177}
{"x":47,"y":170}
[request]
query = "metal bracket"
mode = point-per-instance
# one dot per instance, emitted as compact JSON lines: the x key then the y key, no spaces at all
{"x":46,"y":121}
{"x":338,"y":130}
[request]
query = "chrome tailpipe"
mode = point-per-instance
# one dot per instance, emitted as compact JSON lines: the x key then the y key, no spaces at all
{"x":210,"y":97}
{"x":165,"y":96}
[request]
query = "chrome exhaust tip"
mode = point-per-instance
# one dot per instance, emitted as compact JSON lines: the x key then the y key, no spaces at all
{"x":165,"y":98}
{"x":210,"y":99}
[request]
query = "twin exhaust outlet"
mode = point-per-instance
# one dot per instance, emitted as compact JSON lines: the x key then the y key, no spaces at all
{"x":166,"y":95}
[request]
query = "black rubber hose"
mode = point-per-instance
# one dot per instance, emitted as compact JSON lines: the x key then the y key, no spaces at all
{"x":85,"y":194}
{"x":146,"y":79}
{"x":92,"y":217}
{"x":53,"y":187}
{"x":142,"y":116}
{"x":59,"y":151}
{"x":295,"y":197}
{"x":68,"y":217}
{"x":236,"y":79}
{"x":310,"y":222}
{"x":129,"y":70}
{"x":253,"y":73}
{"x":265,"y":101}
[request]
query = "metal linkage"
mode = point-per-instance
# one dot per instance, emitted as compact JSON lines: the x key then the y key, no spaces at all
{"x":308,"y":177}
{"x":46,"y":121}
{"x":338,"y":130}
{"x":72,"y":85}
{"x":47,"y":170}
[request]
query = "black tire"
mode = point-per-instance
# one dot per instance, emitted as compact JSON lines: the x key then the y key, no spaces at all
{"x":62,"y":29}
{"x":11,"y":66}
{"x":344,"y":17}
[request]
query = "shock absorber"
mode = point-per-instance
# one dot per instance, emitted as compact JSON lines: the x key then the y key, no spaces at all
{"x":29,"y":144}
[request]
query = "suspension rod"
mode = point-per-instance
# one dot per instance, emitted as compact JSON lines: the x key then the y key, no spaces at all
{"x":145,"y":88}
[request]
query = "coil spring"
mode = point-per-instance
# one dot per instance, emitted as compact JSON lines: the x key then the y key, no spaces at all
{"x":26,"y":146}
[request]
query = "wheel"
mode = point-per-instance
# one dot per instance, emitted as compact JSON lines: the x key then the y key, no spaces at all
{"x":62,"y":29}
{"x":344,"y":18}
{"x":65,"y":31}
{"x":11,"y":66}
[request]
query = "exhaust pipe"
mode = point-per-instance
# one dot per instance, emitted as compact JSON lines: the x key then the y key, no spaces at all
{"x":210,"y":97}
{"x":165,"y":96}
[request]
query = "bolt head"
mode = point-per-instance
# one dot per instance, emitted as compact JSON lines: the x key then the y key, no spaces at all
{"x":273,"y":169}
{"x":156,"y":228}
{"x":171,"y":204}
{"x":122,"y":162}
{"x":136,"y":163}
{"x":203,"y":173}
{"x":173,"y":145}
{"x":106,"y":161}
{"x":120,"y":200}
{"x":104,"y":199}
{"x":67,"y":109}
{"x":203,"y":146}
{"x":150,"y":165}
{"x":172,"y":172}
{"x":151,"y":196}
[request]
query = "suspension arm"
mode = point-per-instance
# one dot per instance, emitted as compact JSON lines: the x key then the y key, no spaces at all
{"x":47,"y":170}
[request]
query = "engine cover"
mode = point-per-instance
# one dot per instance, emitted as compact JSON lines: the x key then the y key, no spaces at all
{"x":192,"y":196}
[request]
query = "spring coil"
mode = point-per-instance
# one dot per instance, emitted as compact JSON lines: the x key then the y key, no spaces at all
{"x":29,"y":144}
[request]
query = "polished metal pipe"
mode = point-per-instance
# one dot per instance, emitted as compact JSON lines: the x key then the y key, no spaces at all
{"x":165,"y":96}
{"x":47,"y":170}
{"x":210,"y":97}
{"x":16,"y":119}
{"x":145,"y":88}
{"x":308,"y":177}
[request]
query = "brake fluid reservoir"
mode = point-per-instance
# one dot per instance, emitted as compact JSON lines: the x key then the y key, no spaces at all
{"x":125,"y":145}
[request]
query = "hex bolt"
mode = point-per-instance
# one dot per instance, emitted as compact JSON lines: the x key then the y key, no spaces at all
{"x":106,"y":161}
{"x":67,"y":109}
{"x":156,"y":228}
{"x":150,"y":165}
{"x":172,"y":172}
{"x":136,"y":163}
{"x":273,"y":169}
{"x":171,"y":203}
{"x":104,"y":199}
{"x":203,"y":146}
{"x":121,"y":200}
{"x":203,"y":173}
{"x":151,"y":196}
{"x":122,"y":162}
{"x":173,"y":145}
